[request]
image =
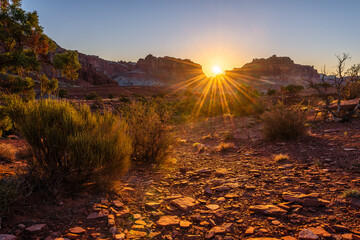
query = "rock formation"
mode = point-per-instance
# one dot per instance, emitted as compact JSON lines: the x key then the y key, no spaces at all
{"x":262,"y":74}
{"x":98,"y":71}
{"x":273,"y":72}
{"x":170,"y":70}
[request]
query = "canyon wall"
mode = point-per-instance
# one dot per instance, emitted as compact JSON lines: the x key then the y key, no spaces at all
{"x":274,"y":72}
{"x":262,"y":74}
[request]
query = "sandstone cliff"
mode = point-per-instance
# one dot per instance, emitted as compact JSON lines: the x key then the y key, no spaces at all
{"x":273,"y":72}
{"x":170,"y":70}
{"x":262,"y":74}
{"x":151,"y":71}
{"x":98,"y":71}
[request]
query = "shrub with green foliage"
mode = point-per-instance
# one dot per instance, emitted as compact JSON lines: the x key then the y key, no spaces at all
{"x":69,"y":64}
{"x":92,"y":96}
{"x":12,"y":190}
{"x":292,"y":88}
{"x":271,"y":92}
{"x":351,"y":90}
{"x":284,"y":123}
{"x":24,"y":49}
{"x":5,"y":121}
{"x":152,"y":140}
{"x":63,"y":93}
{"x":48,"y":86}
{"x":22,"y":86}
{"x":72,"y":145}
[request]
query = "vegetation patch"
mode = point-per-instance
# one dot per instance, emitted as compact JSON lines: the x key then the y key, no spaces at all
{"x":71,"y":146}
{"x":352,"y":193}
{"x":150,"y":132}
{"x":284,"y":123}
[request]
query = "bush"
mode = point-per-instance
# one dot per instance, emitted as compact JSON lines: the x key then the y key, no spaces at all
{"x":271,"y":92}
{"x":224,"y":147}
{"x":292,"y":88}
{"x":228,"y":136}
{"x":63,"y":93}
{"x":12,"y":189}
{"x":151,"y":137}
{"x":124,"y":99}
{"x":283,"y":123}
{"x":352,"y":193}
{"x":352,"y":90}
{"x":70,"y":145}
{"x":280,"y":158}
{"x":5,"y":122}
{"x":92,"y":96}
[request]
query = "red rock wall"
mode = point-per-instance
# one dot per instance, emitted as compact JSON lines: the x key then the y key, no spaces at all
{"x":170,"y":70}
{"x":274,"y":72}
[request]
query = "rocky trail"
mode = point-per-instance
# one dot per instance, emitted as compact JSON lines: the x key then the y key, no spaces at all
{"x":216,"y":190}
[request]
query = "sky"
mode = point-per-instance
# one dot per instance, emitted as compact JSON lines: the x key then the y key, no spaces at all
{"x":223,"y":33}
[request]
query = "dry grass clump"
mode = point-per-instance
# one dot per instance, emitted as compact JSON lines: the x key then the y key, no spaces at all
{"x":224,"y":147}
{"x":280,"y":158}
{"x":228,"y":136}
{"x":284,"y":123}
{"x":352,"y":193}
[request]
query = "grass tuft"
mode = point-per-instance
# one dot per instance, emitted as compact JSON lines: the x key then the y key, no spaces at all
{"x":352,"y":193}
{"x":281,"y":157}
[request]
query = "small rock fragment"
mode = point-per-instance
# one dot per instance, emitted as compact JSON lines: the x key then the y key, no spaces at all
{"x":36,"y":227}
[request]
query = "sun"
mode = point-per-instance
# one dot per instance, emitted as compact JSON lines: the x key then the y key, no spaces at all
{"x":217,"y":70}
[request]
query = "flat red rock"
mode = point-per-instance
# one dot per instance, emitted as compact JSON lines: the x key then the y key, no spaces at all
{"x":185,"y":203}
{"x":267,"y":209}
{"x":166,"y":221}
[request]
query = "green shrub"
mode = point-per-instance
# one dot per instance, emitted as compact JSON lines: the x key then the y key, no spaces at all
{"x":111,"y":96}
{"x":72,"y":145}
{"x":22,"y":86}
{"x":12,"y":189}
{"x":63,"y":93}
{"x":284,"y":123}
{"x":271,"y":92}
{"x":152,"y":140}
{"x":292,"y":88}
{"x":92,"y":96}
{"x":351,"y":90}
{"x":124,"y":99}
{"x":5,"y":122}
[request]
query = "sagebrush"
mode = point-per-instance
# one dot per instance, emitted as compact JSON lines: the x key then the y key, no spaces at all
{"x":12,"y":190}
{"x":284,"y":123}
{"x":72,"y":146}
{"x":149,"y":129}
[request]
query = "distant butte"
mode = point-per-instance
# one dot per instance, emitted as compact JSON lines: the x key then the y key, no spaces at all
{"x":261,"y":73}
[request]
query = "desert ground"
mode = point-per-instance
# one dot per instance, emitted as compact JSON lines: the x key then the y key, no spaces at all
{"x":223,"y":181}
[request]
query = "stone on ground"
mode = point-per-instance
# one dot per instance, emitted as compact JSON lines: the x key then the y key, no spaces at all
{"x":166,"y":221}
